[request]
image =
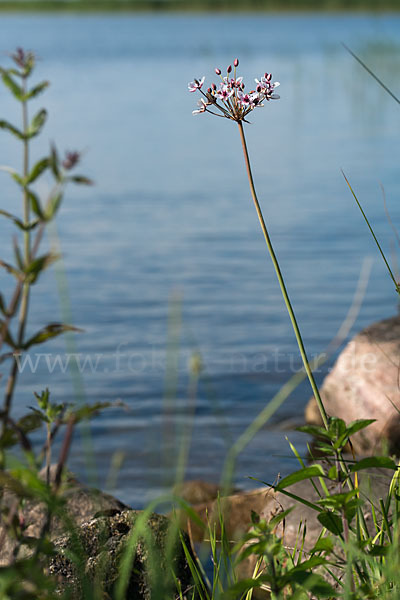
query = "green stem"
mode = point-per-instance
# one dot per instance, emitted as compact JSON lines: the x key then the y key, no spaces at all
{"x":282,"y":285}
{"x":23,"y":314}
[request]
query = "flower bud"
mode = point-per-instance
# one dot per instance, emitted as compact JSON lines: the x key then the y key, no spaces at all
{"x":209,"y":90}
{"x":218,"y":71}
{"x":269,"y":77}
{"x":236,"y":62}
{"x":214,"y":87}
{"x":259,"y":88}
{"x":229,"y":69}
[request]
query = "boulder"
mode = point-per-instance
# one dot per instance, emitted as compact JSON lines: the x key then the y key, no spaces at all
{"x":82,"y":503}
{"x":196,"y":491}
{"x":104,"y":541}
{"x":365,"y":384}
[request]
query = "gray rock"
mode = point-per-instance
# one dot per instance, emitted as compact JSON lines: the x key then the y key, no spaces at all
{"x":365,"y":384}
{"x":102,"y":543}
{"x":82,"y":504}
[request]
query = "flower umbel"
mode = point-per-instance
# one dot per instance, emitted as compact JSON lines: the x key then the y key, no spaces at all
{"x":229,"y":97}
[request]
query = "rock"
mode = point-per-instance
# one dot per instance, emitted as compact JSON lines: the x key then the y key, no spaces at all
{"x":197,"y":491}
{"x":103,"y":542}
{"x":236,"y":509}
{"x":365,"y":384}
{"x":82,"y":504}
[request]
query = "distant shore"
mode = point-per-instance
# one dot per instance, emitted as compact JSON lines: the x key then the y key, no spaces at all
{"x":91,"y":6}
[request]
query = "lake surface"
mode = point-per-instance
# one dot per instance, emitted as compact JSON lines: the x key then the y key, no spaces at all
{"x":164,"y":257}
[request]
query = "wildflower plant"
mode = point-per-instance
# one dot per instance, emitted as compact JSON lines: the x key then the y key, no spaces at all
{"x":229,"y":100}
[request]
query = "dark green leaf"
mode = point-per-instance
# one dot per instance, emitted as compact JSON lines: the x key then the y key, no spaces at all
{"x":8,"y":215}
{"x":50,"y":331}
{"x":18,"y":256}
{"x":38,"y":169}
{"x":331,"y":522}
{"x":35,"y":91}
{"x":87,"y":411}
{"x":307,"y":473}
{"x":35,"y":204}
{"x":378,"y":550}
{"x":8,"y":127}
{"x":314,"y":431}
{"x":37,"y":123}
{"x":3,"y":307}
{"x":29,"y":423}
{"x":38,"y":265}
{"x":55,"y":163}
{"x":312,"y":582}
{"x":7,"y":337}
{"x":383,"y":462}
{"x":12,"y":85}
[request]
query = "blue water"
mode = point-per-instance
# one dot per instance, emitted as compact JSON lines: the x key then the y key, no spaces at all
{"x":164,"y":256}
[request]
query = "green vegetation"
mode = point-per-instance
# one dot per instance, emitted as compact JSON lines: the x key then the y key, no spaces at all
{"x":197,"y":5}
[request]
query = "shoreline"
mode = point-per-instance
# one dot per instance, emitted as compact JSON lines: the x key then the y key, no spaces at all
{"x":198,"y":7}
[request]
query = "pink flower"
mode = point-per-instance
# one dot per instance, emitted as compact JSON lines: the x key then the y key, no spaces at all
{"x":229,"y":100}
{"x":196,"y":84}
{"x":224,"y":93}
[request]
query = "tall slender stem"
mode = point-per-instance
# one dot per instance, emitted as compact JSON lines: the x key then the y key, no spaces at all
{"x":282,"y":285}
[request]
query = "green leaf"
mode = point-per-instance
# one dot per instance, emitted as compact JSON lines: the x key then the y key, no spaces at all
{"x":358,"y":425}
{"x":8,"y":127}
{"x":39,"y":264}
{"x":18,"y":222}
{"x":38,"y":169}
{"x":378,"y":550}
{"x":36,"y":90}
{"x":337,"y":500}
{"x":7,"y":337}
{"x":81,"y":179}
{"x":88,"y":411}
{"x":29,"y":423}
{"x":48,"y":332}
{"x":18,"y":178}
{"x":54,"y":164}
{"x":314,"y":431}
{"x":3,"y":307}
{"x":53,"y":205}
{"x":324,"y":544}
{"x":307,"y":473}
{"x":18,"y":256}
{"x":12,"y":85}
{"x":331,"y":522}
{"x":383,"y":462}
{"x":35,"y":205}
{"x":36,"y":124}
{"x":333,"y":473}
{"x":12,"y":270}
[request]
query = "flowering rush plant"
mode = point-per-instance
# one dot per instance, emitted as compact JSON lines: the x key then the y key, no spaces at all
{"x":229,"y":100}
{"x":229,"y":96}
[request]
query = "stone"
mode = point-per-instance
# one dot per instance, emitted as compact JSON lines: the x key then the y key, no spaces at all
{"x":103,"y":541}
{"x":82,"y":503}
{"x":365,"y":384}
{"x":196,"y":491}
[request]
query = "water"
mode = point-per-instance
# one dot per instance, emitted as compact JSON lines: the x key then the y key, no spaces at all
{"x":169,"y":228}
